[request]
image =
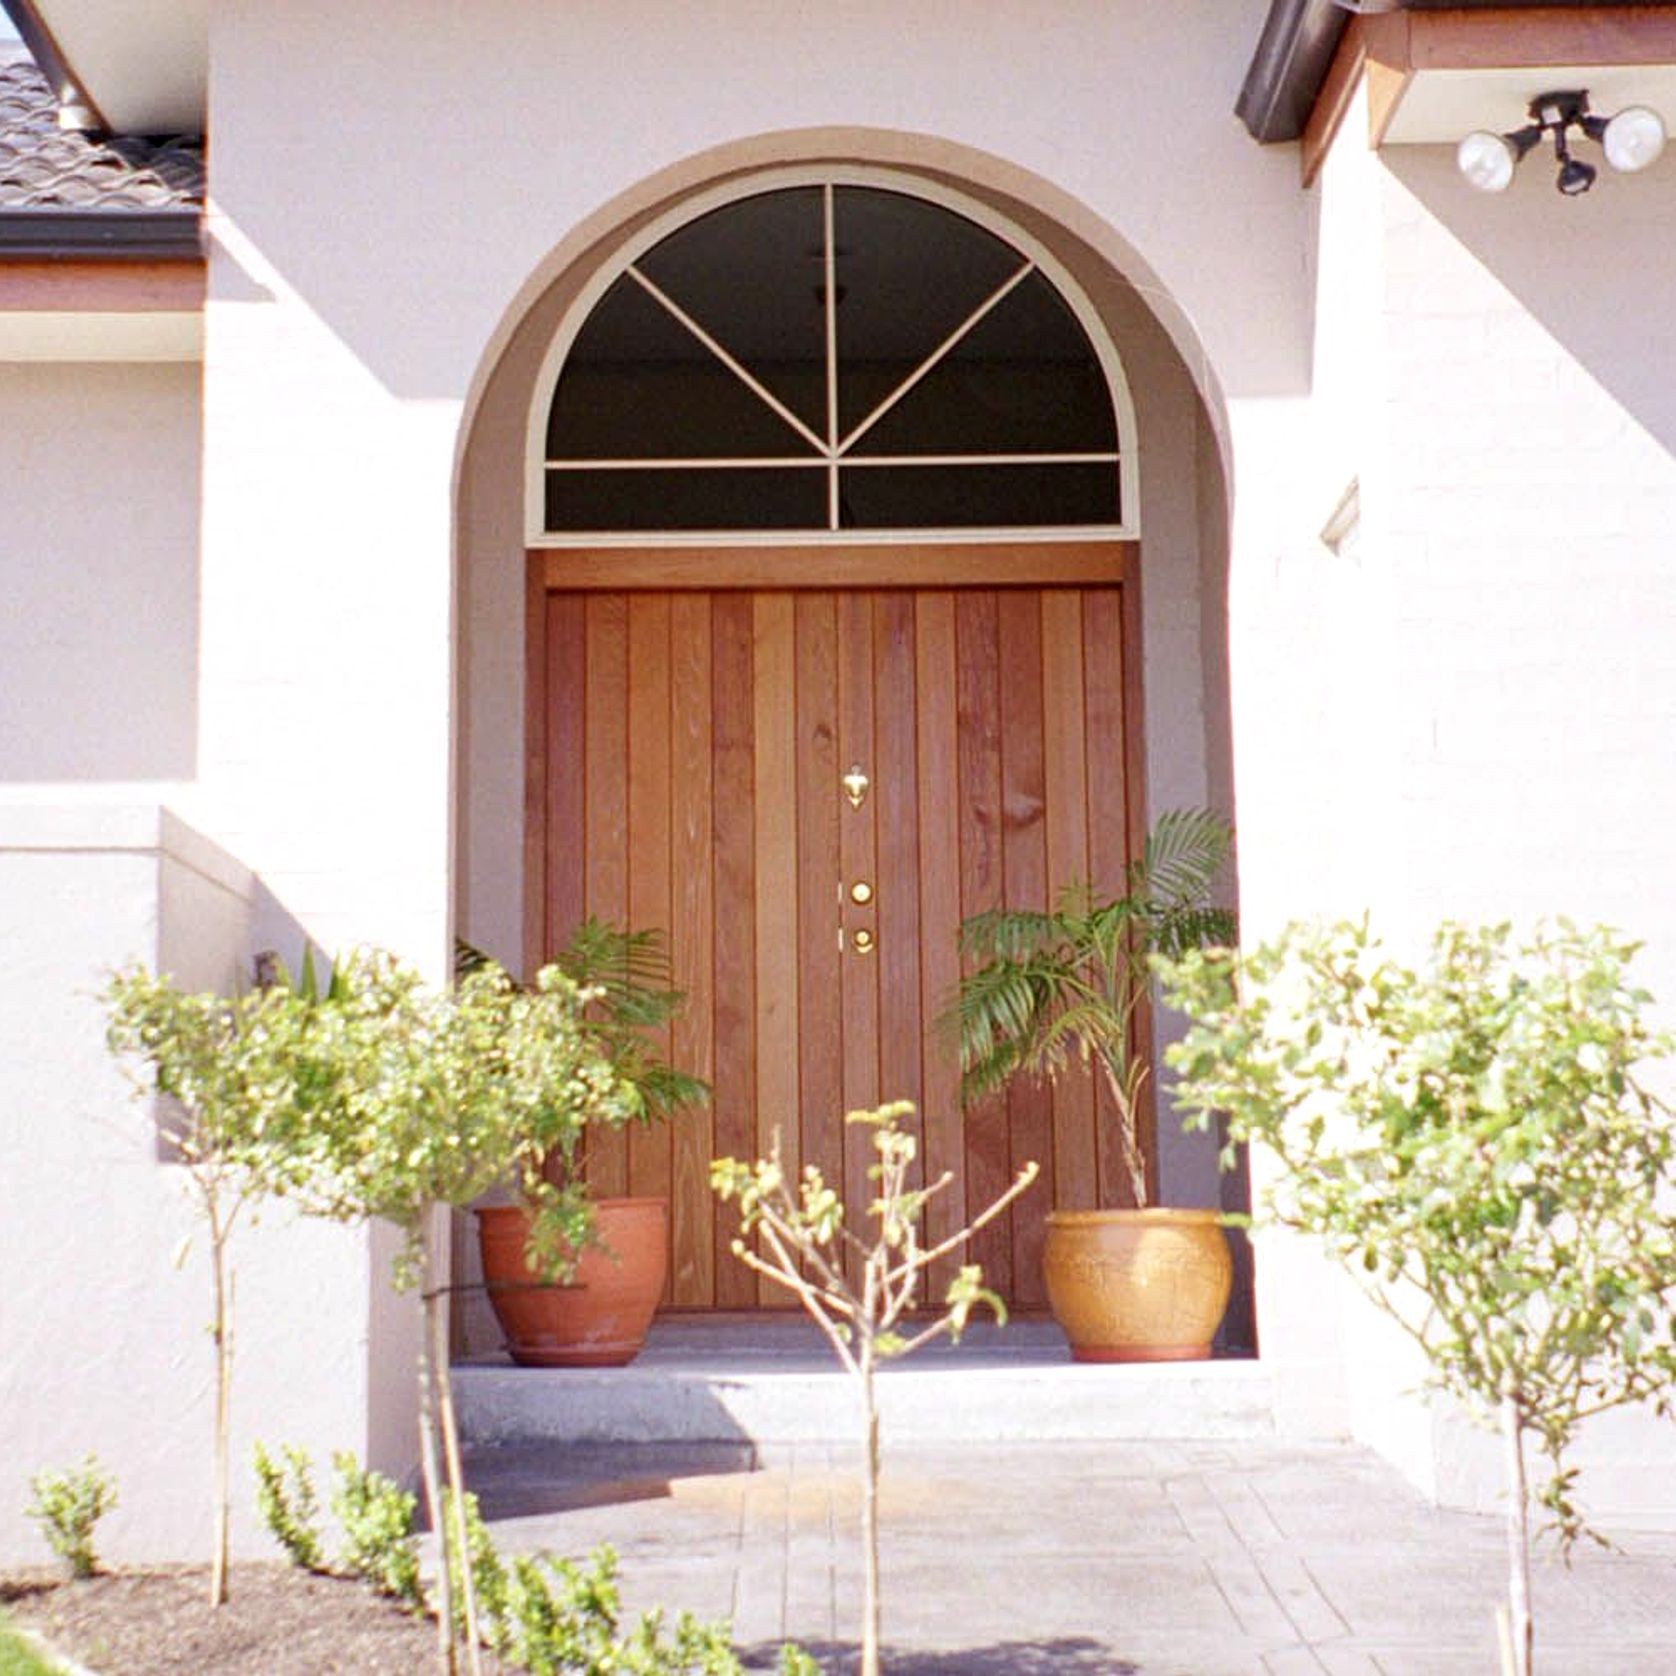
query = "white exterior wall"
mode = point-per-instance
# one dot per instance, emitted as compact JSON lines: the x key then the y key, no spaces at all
{"x":1482,"y":703}
{"x":104,"y":1341}
{"x":99,"y":562}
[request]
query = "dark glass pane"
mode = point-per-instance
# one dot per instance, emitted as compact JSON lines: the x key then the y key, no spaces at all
{"x":637,"y":385}
{"x":909,"y":273}
{"x":1024,"y":380}
{"x":751,"y":274}
{"x":965,"y":497}
{"x":747,"y":499}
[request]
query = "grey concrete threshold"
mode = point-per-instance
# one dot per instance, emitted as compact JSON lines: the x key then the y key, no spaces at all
{"x":753,"y":1382}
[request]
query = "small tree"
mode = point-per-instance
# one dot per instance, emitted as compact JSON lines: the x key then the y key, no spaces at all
{"x":226,"y":1070}
{"x":414,"y":1098}
{"x":804,"y":1239}
{"x":1073,"y":981}
{"x":1473,"y":1138}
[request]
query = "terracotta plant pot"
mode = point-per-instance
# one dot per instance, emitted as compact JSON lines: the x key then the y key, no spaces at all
{"x":1137,"y":1285}
{"x":600,"y":1318}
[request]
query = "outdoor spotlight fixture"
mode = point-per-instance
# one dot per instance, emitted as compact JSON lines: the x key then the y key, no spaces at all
{"x":1630,"y":140}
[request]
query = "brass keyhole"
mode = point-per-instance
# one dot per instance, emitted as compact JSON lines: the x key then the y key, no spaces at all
{"x":861,"y":893}
{"x":855,"y":784}
{"x":863,"y":941}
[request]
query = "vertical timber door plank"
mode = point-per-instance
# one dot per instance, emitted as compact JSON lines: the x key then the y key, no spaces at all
{"x":1108,"y":815}
{"x":937,"y":743}
{"x":733,"y":983}
{"x":567,"y":685}
{"x":1076,"y":1179}
{"x":819,"y":973}
{"x":606,"y":729}
{"x":1024,"y":870}
{"x":537,"y":839}
{"x":858,"y":859}
{"x":897,"y":880}
{"x":692,"y":945}
{"x":649,"y":836}
{"x":988,"y":1149}
{"x":777,"y":932}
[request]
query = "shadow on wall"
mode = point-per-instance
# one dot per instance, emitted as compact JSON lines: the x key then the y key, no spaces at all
{"x":1593,"y":269}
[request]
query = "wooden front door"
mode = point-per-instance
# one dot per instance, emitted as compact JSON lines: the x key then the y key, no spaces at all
{"x":693,"y":750}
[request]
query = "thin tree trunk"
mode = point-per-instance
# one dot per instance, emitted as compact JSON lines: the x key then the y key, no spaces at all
{"x":1518,"y":1537}
{"x":870,"y":1615}
{"x":223,"y":1334}
{"x":437,"y":1322}
{"x":432,"y":1475}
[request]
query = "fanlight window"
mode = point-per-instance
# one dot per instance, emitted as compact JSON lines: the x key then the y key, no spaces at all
{"x":831,"y":357}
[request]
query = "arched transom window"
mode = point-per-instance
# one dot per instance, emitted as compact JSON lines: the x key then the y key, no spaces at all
{"x":832,"y":357}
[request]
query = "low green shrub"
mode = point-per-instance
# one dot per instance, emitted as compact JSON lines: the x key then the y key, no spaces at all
{"x":286,"y":1499}
{"x":68,"y":1505}
{"x":378,"y":1542}
{"x":537,"y":1613}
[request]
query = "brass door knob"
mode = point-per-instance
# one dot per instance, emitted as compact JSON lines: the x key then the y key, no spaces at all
{"x":863,"y":941}
{"x":861,"y":893}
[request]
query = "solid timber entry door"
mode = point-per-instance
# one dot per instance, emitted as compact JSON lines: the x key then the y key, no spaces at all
{"x":808,"y":788}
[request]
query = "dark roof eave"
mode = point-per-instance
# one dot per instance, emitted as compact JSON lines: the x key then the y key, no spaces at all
{"x":112,"y":235}
{"x":1293,"y":53}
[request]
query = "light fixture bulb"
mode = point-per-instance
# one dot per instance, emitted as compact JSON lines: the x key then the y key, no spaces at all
{"x":1633,"y":139}
{"x":1486,"y":160}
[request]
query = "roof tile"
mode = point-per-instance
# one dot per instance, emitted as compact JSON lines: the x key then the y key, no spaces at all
{"x":44,"y":167}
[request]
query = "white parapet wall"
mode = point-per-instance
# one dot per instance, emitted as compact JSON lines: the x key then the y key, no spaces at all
{"x":102,"y":1341}
{"x":1478,"y":691}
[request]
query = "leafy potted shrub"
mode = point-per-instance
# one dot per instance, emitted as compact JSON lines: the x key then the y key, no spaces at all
{"x":410,"y":1097}
{"x":1475,"y":1140}
{"x":1137,"y":1282}
{"x":596,"y":1312}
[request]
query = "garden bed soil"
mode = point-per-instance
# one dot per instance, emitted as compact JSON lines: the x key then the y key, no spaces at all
{"x":278,"y":1621}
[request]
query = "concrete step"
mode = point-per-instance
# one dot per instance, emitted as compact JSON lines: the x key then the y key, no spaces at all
{"x":756,"y":1381}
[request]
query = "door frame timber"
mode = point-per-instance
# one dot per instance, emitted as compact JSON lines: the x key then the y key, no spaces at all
{"x":909,"y":566}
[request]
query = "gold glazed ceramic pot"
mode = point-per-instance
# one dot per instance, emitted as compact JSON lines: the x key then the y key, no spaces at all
{"x":1137,"y":1285}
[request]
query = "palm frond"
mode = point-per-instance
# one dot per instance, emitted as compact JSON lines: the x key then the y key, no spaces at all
{"x":1182,"y":856}
{"x":1009,"y":933}
{"x":1053,"y":985}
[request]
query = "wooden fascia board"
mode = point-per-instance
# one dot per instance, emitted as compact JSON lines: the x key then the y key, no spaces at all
{"x":101,"y":287}
{"x":1390,"y":48}
{"x":1513,"y":37}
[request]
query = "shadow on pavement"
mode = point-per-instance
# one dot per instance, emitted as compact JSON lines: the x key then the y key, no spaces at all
{"x":521,"y":1481}
{"x":1066,"y":1655}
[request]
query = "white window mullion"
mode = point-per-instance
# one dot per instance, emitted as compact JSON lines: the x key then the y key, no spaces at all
{"x":733,"y":365}
{"x":696,"y":462}
{"x":935,"y":358}
{"x":829,"y":259}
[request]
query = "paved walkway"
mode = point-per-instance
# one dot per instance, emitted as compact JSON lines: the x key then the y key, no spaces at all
{"x":1151,"y":1559}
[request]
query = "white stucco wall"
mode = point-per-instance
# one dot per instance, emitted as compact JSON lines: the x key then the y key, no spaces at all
{"x":1479,"y":707}
{"x":99,"y":561}
{"x":103,"y":1339}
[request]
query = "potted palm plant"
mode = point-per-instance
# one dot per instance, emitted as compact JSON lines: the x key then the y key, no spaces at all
{"x":1048,"y":987}
{"x":597,"y":1313}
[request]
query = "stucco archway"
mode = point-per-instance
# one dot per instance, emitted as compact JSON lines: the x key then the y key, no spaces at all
{"x":1183,"y":506}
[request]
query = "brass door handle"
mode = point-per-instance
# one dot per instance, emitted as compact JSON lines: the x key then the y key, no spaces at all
{"x":863,"y":941}
{"x":861,"y":893}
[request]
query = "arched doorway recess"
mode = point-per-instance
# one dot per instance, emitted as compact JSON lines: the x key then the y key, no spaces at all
{"x":833,"y":640}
